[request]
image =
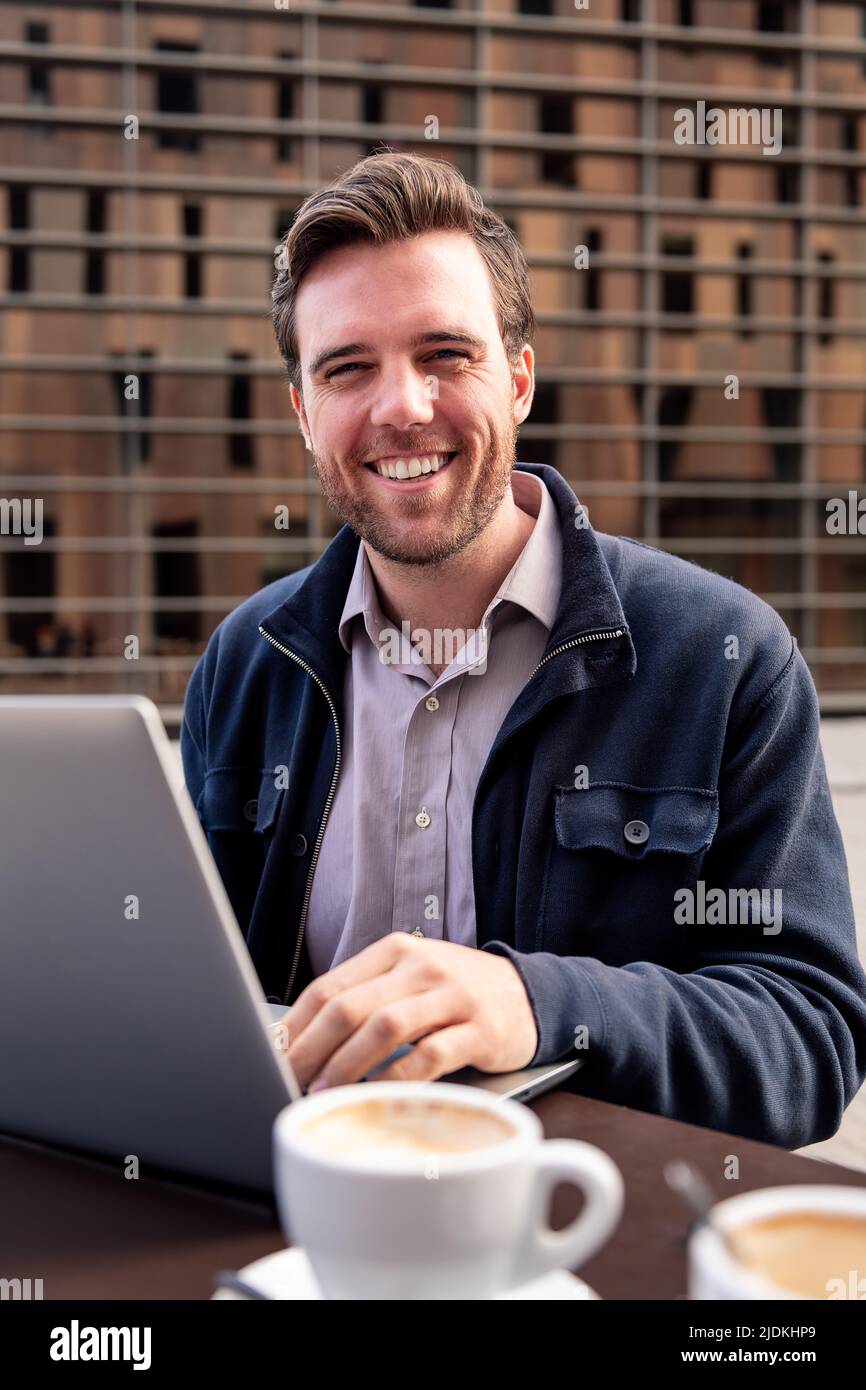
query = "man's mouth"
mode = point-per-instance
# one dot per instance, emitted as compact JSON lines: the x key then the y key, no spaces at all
{"x":412,"y":467}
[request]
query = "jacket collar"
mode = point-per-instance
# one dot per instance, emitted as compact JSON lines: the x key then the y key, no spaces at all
{"x":308,"y":621}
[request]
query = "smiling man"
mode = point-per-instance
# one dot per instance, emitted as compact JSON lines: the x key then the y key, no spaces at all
{"x":481,"y":845}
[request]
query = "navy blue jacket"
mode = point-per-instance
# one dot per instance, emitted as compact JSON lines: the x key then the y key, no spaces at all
{"x":704,"y":773}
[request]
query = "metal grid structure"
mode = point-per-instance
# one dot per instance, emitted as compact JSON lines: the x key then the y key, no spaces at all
{"x":646,"y":333}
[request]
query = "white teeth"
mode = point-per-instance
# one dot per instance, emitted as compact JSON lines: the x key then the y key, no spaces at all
{"x":411,"y":467}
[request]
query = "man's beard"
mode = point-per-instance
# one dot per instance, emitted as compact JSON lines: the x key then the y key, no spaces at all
{"x":473,"y":507}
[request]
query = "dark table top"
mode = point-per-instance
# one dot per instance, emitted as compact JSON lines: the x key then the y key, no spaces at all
{"x":88,"y":1232}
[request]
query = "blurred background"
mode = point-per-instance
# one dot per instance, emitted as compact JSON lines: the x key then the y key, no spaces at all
{"x":153,"y":155}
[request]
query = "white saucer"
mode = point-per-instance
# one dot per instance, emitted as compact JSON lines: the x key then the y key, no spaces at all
{"x":288,"y":1274}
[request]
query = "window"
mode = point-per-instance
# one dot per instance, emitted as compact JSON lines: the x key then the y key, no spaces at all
{"x":852,"y":188}
{"x":371,"y":103}
{"x":677,"y":285}
{"x":555,"y":114}
{"x":135,"y":446}
{"x":177,"y":95}
{"x":674,"y":408}
{"x":38,"y":92}
{"x":787,"y":183}
{"x":285,"y":112}
{"x":176,"y":575}
{"x":94,"y":264}
{"x":545,"y":404}
{"x":372,"y":106}
{"x":781,"y":406}
{"x":283,"y":221}
{"x":771,"y":20}
{"x":192,"y":260}
{"x":38,"y":74}
{"x":704,"y":179}
{"x":686,"y":14}
{"x":30,"y":572}
{"x":535,"y":7}
{"x":19,"y":221}
{"x":744,"y":290}
{"x":276,"y":564}
{"x":555,"y":117}
{"x":544,"y":411}
{"x":240,"y":398}
{"x":629,"y":11}
{"x":592,"y":275}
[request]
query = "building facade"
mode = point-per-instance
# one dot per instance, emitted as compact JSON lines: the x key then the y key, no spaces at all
{"x":701,"y":302}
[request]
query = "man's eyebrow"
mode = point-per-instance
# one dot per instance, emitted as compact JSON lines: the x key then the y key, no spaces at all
{"x":439,"y":335}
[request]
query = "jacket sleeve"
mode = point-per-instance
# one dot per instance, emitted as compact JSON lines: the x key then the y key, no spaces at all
{"x":766,"y":1035}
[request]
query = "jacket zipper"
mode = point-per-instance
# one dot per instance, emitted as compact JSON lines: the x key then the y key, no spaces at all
{"x":579,"y":641}
{"x":321,"y":835}
{"x":598,"y":636}
{"x":574,"y":642}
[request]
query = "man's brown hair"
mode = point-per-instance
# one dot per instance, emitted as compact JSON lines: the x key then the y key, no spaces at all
{"x":391,"y":197}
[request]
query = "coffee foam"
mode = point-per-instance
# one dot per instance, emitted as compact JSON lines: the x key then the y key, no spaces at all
{"x":803,"y":1251}
{"x":411,"y":1127}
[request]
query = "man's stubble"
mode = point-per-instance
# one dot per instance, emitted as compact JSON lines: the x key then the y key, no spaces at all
{"x":472,"y":513}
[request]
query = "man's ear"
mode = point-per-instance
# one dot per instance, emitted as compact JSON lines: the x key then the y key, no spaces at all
{"x":298,"y":404}
{"x":523,"y":383}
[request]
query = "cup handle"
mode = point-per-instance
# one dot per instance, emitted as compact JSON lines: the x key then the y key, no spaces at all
{"x":569,"y":1160}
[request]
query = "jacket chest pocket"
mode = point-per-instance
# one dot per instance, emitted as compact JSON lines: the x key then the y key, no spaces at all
{"x":238,"y":808}
{"x":617,"y":855}
{"x":244,"y":799}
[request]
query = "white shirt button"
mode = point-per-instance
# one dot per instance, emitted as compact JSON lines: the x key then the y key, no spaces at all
{"x":422,"y":819}
{"x":431,"y":703}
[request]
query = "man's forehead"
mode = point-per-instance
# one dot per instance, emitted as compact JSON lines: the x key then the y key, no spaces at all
{"x":414,"y":272}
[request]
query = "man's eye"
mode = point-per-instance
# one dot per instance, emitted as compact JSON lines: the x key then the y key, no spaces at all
{"x":347,"y":368}
{"x":442,"y":352}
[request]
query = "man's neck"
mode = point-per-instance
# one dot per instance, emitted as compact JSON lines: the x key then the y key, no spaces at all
{"x":456,"y":592}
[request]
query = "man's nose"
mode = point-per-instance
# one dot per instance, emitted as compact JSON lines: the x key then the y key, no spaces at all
{"x":402,"y":397}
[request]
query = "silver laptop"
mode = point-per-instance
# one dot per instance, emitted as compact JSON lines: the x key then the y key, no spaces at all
{"x":132,"y":1022}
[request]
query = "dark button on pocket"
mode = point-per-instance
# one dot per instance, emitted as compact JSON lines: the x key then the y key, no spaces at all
{"x":298,"y":845}
{"x":636,"y":832}
{"x":240,"y":799}
{"x":675,"y":820}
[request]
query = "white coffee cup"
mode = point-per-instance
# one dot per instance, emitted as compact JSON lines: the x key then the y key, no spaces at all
{"x":457,"y":1225}
{"x":714,"y":1273}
